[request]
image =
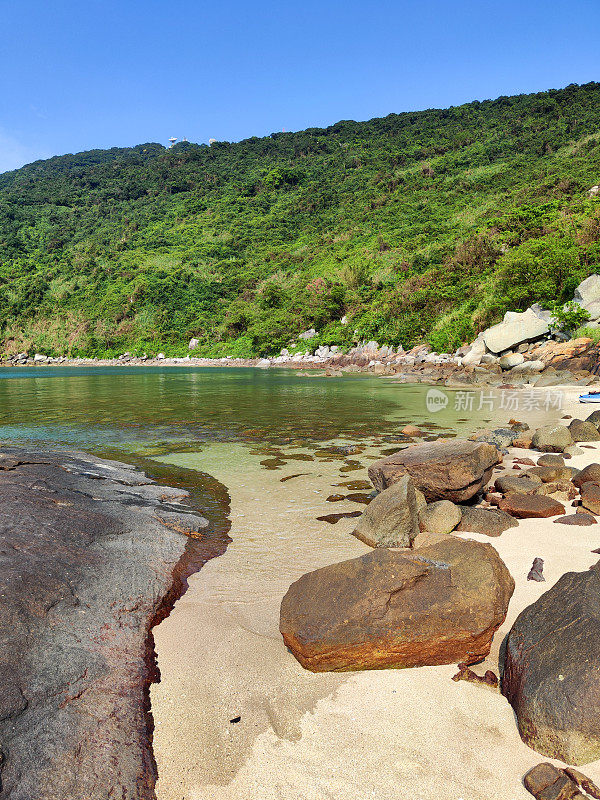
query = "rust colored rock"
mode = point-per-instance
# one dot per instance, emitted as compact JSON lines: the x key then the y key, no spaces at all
{"x":411,"y":430}
{"x":453,"y":470}
{"x":440,"y":604}
{"x":590,"y":497}
{"x":589,"y":474}
{"x":523,"y":442}
{"x":547,"y":782}
{"x":526,"y":506}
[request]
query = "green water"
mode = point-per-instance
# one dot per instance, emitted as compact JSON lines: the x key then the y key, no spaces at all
{"x":141,"y":409}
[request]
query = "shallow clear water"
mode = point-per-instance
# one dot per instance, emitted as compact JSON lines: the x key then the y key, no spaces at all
{"x":140,"y":409}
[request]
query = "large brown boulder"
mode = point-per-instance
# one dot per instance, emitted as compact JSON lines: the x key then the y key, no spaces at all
{"x":590,"y":497}
{"x":590,"y":474}
{"x":523,"y":484}
{"x":392,"y":518}
{"x":440,"y":604}
{"x":490,"y":522}
{"x":550,"y":671}
{"x":454,"y":470}
{"x":526,"y":506}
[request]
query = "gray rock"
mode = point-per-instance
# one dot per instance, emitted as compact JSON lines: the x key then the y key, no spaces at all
{"x":587,"y":295}
{"x":475,"y":354}
{"x":441,"y":517}
{"x":392,"y":518}
{"x":583,"y":431}
{"x":514,"y":329}
{"x":85,"y":569}
{"x":528,"y":368}
{"x":550,"y":671}
{"x":309,"y":334}
{"x":511,"y":360}
{"x":552,"y":439}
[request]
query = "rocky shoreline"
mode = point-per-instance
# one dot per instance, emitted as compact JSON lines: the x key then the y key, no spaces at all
{"x":93,"y":555}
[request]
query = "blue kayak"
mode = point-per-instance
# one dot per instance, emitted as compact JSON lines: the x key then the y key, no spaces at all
{"x":592,"y":397}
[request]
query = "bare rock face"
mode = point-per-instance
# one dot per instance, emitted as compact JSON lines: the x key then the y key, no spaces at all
{"x":487,"y":521}
{"x":550,"y":671}
{"x":455,"y":470}
{"x":84,"y":568}
{"x":527,"y":506}
{"x":392,"y":517}
{"x":440,"y":604}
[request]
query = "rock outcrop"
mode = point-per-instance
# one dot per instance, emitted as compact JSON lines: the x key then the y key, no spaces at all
{"x":440,"y":604}
{"x":550,"y":671}
{"x":392,"y":517}
{"x":454,"y":470}
{"x":86,"y":567}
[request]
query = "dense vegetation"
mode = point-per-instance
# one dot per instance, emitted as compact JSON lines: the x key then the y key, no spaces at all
{"x":418,"y":226}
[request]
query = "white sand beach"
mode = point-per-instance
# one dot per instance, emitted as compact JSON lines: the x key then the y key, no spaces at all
{"x":390,"y":734}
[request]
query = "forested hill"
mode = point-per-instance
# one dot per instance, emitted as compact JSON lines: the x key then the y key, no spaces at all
{"x":418,"y":226}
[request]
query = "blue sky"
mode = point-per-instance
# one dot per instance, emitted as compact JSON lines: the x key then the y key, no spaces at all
{"x":99,"y":73}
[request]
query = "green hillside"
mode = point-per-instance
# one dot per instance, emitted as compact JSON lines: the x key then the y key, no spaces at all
{"x":418,"y":226}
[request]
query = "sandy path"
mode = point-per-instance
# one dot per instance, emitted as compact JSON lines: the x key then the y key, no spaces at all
{"x":391,"y":734}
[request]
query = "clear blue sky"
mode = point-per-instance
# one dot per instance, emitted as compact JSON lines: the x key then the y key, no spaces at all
{"x":100,"y":73}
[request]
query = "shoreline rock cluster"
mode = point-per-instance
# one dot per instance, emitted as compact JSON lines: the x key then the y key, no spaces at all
{"x":526,"y":347}
{"x":424,"y":596}
{"x":89,"y":550}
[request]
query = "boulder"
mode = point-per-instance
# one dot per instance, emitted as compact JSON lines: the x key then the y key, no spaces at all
{"x":590,"y":497}
{"x":392,"y":518}
{"x":550,"y":671}
{"x":193,"y":344}
{"x":549,"y":473}
{"x":511,"y":360}
{"x":441,"y":516}
{"x":475,"y":354}
{"x":594,"y":418}
{"x":589,"y":474}
{"x":587,"y":295}
{"x":523,"y":484}
{"x":561,"y":490}
{"x":527,"y":506}
{"x":309,"y":334}
{"x":486,"y":521}
{"x":552,"y":438}
{"x":550,"y":460}
{"x":514,"y":329}
{"x":528,"y":368}
{"x":583,"y":431}
{"x":453,"y":470}
{"x":440,"y":604}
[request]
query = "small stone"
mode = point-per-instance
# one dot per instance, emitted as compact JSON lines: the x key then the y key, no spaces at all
{"x":411,"y":430}
{"x":536,"y":573}
{"x":551,"y":460}
{"x":576,"y":519}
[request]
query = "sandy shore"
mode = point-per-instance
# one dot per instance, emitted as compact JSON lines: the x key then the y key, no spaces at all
{"x":390,"y":734}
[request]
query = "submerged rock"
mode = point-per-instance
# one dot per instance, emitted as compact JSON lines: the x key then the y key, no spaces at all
{"x":440,"y":604}
{"x":86,"y":565}
{"x":550,"y":671}
{"x":454,"y":470}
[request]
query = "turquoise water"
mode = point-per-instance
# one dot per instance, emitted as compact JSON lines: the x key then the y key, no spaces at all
{"x":138,"y":408}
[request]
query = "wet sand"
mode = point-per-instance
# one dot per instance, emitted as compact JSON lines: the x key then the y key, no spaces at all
{"x":392,"y":734}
